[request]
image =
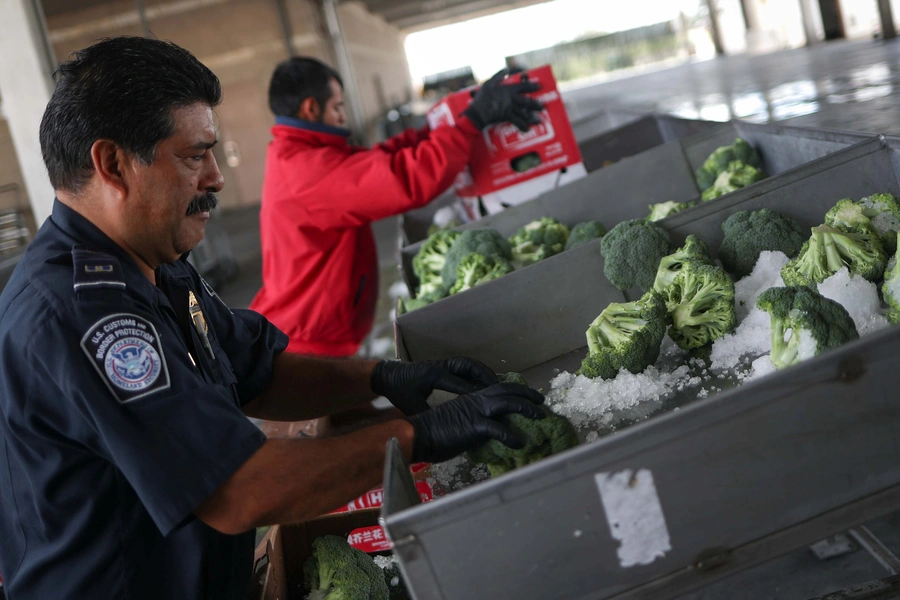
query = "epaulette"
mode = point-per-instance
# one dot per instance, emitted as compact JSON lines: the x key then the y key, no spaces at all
{"x":96,"y":271}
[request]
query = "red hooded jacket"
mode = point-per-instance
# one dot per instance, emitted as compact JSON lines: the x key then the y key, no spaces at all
{"x":320,"y":196}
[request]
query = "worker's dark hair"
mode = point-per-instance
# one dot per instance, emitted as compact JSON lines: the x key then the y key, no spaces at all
{"x":122,"y":89}
{"x":297,"y":79}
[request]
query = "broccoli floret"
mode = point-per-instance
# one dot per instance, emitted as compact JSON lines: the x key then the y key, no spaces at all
{"x":722,"y":157}
{"x":476,"y":269}
{"x":880,"y":212}
{"x":538,"y":240}
{"x":585,"y":232}
{"x":337,"y":571}
{"x":804,"y":324}
{"x":429,"y":260}
{"x":392,"y":577}
{"x":625,"y":336}
{"x":487,"y":242}
{"x":736,"y":176}
{"x":423,"y":299}
{"x":829,"y":249}
{"x":470,"y":271}
{"x":512,"y":377}
{"x":632,"y":251}
{"x":846,"y":214}
{"x":748,"y":233}
{"x":891,"y":286}
{"x":694,"y":249}
{"x":542,"y":438}
{"x":369,"y":576}
{"x":701,"y":305}
{"x":331,"y":554}
{"x":660,"y":211}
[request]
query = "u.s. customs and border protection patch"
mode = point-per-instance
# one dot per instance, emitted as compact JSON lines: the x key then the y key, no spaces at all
{"x":126,"y":351}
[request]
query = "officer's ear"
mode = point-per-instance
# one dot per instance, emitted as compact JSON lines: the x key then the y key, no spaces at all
{"x":310,"y":110}
{"x":109,"y":163}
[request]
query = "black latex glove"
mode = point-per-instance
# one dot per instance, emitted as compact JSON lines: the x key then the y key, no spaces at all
{"x":408,"y":385}
{"x":499,"y":103}
{"x":467,"y":421}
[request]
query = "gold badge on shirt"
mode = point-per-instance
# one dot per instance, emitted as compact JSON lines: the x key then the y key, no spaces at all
{"x":200,"y":323}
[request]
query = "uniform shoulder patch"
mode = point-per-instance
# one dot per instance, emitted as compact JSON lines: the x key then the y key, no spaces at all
{"x":126,"y":351}
{"x":96,"y":270}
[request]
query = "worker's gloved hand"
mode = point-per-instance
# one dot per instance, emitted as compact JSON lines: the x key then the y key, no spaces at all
{"x":467,"y":421}
{"x":408,"y":385}
{"x":498,"y":103}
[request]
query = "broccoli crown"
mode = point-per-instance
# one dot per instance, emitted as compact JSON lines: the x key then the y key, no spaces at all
{"x":331,"y":554}
{"x":512,"y":377}
{"x":701,"y":304}
{"x":660,"y":211}
{"x":371,"y":576}
{"x":433,"y":289}
{"x":890,"y":289}
{"x":487,"y":242}
{"x":722,"y":157}
{"x":395,"y":584}
{"x":476,"y":269}
{"x":748,"y":233}
{"x":736,"y":176}
{"x":424,"y":298}
{"x":632,"y":251}
{"x":429,"y":260}
{"x":829,"y":249}
{"x":625,"y":336}
{"x":585,"y":232}
{"x":694,"y":249}
{"x":539,"y":240}
{"x":880,"y":212}
{"x":799,"y":310}
{"x":542,"y":438}
{"x":337,"y":571}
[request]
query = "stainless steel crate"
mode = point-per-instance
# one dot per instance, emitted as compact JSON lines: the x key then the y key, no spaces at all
{"x":638,"y":136}
{"x":737,"y":479}
{"x":495,"y":313}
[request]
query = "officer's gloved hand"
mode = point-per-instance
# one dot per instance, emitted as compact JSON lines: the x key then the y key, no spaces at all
{"x":408,"y":385}
{"x":467,"y":421}
{"x":498,"y":103}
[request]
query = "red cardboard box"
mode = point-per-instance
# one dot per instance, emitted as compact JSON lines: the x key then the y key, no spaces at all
{"x":505,"y":156}
{"x":374,"y":498}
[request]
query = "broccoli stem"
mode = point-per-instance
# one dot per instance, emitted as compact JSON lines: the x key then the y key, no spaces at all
{"x":832,"y":256}
{"x":609,"y":333}
{"x":784,"y":353}
{"x":696,"y":310}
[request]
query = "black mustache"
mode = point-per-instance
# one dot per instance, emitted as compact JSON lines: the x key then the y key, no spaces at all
{"x":203,"y":203}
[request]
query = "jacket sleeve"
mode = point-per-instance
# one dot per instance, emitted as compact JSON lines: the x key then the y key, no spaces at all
{"x":367,"y":186}
{"x":407,"y":139}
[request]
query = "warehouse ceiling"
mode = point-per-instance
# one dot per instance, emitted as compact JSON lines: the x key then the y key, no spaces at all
{"x":408,"y":15}
{"x":411,"y":15}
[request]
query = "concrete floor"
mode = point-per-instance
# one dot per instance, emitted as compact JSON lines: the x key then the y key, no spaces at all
{"x":840,"y":85}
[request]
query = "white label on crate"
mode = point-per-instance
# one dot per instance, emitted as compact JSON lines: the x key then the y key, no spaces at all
{"x":635,"y":516}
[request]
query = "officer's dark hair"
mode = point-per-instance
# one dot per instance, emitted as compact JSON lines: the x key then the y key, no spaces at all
{"x":122,"y":89}
{"x":297,"y":79}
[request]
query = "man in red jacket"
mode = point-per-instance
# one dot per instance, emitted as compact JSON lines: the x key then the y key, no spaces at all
{"x":321,"y":194}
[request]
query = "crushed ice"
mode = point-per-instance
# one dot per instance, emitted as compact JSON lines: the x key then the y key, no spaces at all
{"x":859,"y":297}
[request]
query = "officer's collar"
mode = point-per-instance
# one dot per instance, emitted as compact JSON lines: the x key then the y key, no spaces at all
{"x":312,"y":126}
{"x":86,"y":233}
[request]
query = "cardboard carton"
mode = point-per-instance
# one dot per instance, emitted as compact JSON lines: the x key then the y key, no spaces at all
{"x":279,"y":557}
{"x":505,"y":157}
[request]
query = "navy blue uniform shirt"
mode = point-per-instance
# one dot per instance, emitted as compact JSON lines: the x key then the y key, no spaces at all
{"x":120,"y":413}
